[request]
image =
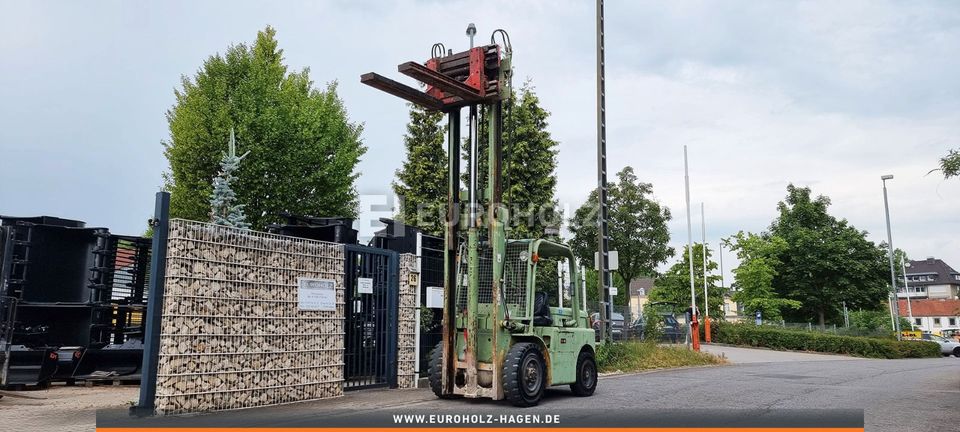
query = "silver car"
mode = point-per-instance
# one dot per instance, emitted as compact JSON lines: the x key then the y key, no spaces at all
{"x":947,"y":346}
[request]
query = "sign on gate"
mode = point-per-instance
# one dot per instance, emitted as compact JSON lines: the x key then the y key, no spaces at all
{"x":316,"y":294}
{"x":365,"y":285}
{"x":435,"y":297}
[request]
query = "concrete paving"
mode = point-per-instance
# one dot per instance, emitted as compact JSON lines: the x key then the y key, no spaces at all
{"x":740,"y":355}
{"x":897,"y":395}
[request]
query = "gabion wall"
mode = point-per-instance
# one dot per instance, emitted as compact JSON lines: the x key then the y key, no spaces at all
{"x":407,"y":322}
{"x":232,"y":334}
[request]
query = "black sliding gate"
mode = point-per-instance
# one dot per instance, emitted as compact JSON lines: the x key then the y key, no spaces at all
{"x":431,"y":275}
{"x":371,"y":296}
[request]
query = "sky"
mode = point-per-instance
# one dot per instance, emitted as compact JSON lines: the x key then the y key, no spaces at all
{"x":828,"y":95}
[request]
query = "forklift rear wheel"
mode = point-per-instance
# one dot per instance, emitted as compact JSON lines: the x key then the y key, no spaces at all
{"x":435,"y":370}
{"x":586,"y":381}
{"x":524,"y":375}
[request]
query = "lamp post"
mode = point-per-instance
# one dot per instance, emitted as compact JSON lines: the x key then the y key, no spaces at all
{"x":894,"y":304}
{"x":706,"y":306}
{"x":694,"y":326}
{"x":906,"y":290}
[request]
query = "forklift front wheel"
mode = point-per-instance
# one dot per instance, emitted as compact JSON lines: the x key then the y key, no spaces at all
{"x":435,"y":370}
{"x":524,"y":375}
{"x":586,"y":381}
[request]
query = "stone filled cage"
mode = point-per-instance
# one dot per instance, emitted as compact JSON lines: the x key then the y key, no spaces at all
{"x":232,"y":335}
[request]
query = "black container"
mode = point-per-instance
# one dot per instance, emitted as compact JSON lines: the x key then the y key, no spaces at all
{"x":42,"y":220}
{"x":60,"y":260}
{"x":336,"y":230}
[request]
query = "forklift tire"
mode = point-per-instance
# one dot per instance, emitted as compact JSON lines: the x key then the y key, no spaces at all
{"x":435,"y":370}
{"x":586,"y":381}
{"x":524,"y":375}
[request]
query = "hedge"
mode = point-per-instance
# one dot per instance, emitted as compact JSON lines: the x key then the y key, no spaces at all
{"x":799,"y":340}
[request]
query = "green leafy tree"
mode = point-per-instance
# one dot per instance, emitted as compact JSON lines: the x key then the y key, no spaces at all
{"x":303,"y":147}
{"x":950,"y":164}
{"x":637,"y":225}
{"x":593,"y":292}
{"x":827,"y":261}
{"x":758,"y":256}
{"x":674,"y":286}
{"x":223,"y":207}
{"x":864,"y":321}
{"x":529,"y":164}
{"x":421,"y":183}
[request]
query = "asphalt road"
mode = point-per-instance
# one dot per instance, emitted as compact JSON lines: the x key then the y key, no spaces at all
{"x":896,"y":395}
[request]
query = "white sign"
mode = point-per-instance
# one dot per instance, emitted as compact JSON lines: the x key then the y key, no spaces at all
{"x":435,"y":297}
{"x":613,"y":291}
{"x":316,"y":294}
{"x":365,"y":285}
{"x":613,"y":258}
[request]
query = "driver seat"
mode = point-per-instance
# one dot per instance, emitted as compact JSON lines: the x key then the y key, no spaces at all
{"x":541,"y":309}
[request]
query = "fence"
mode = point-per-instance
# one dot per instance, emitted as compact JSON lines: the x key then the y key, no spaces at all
{"x":232,"y":334}
{"x":407,"y":322}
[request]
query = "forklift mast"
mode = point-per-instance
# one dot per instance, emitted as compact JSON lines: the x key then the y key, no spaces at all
{"x":479,"y":76}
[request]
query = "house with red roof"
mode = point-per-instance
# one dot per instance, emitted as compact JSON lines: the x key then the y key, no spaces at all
{"x":932,"y":315}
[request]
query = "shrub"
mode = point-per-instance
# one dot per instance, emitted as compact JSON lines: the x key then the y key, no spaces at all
{"x":636,"y":356}
{"x":799,"y":340}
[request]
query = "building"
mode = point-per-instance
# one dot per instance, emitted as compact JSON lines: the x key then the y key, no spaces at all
{"x":639,"y":297}
{"x":930,"y":279}
{"x":732,"y":311}
{"x":932,"y":315}
{"x":639,"y":293}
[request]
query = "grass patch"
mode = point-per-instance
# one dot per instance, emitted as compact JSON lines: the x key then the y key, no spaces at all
{"x":800,"y":340}
{"x":638,"y":356}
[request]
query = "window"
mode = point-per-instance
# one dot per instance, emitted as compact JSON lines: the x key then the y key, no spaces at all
{"x":916,"y":321}
{"x":936,"y":322}
{"x":953,"y":321}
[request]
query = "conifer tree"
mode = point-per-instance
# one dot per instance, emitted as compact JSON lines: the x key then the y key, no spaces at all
{"x":224,"y":209}
{"x":421,"y":184}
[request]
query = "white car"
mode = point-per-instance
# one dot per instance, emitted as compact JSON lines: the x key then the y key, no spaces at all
{"x":947,"y":346}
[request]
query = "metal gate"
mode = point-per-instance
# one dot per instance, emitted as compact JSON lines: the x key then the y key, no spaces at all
{"x":371,"y":290}
{"x":431,"y":275}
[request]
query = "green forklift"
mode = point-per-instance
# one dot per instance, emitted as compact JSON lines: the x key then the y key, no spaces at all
{"x":502,"y":339}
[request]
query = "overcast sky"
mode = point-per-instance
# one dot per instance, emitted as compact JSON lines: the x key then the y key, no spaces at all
{"x":829,"y":95}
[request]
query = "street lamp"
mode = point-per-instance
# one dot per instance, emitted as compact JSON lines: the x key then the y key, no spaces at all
{"x":894,"y":303}
{"x":906,"y":290}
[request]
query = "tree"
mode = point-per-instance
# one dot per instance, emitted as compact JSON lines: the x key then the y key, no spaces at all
{"x":422,"y":181}
{"x":674,"y":286}
{"x":637,"y":224}
{"x":758,"y":256}
{"x":950,"y":164}
{"x":223,"y":207}
{"x":529,"y":164}
{"x":826,"y":261}
{"x":304,"y":147}
{"x":593,"y":292}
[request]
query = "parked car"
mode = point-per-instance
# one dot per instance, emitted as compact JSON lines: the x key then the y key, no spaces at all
{"x":951,"y":333}
{"x":616,"y":324}
{"x":671,"y":332}
{"x":947,"y":346}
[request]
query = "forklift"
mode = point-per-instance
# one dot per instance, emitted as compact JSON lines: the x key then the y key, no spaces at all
{"x":501,"y":338}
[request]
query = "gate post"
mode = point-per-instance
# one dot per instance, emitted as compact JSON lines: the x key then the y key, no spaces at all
{"x":393,"y":308}
{"x":151,"y":334}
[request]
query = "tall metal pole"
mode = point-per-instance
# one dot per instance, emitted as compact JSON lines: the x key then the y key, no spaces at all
{"x":706,"y":305}
{"x":906,"y":290}
{"x":894,"y":304}
{"x":154,"y":315}
{"x":694,"y":333}
{"x":720,"y":256}
{"x":602,"y":236}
